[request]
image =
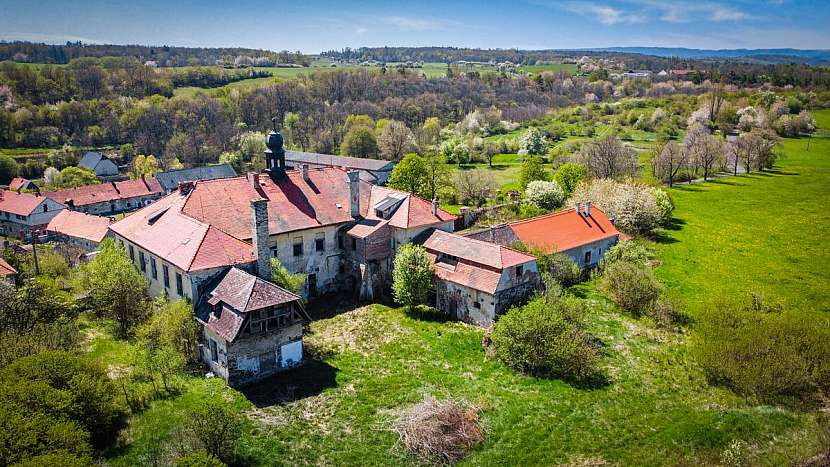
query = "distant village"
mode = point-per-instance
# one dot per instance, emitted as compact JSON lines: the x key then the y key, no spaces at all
{"x":207,"y":234}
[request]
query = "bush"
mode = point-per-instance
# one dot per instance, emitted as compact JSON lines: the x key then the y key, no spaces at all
{"x":217,"y":426}
{"x":411,"y":275}
{"x":198,"y":459}
{"x":665,"y":206}
{"x":439,"y":431}
{"x":545,"y":338}
{"x":545,"y":195}
{"x":774,"y":356}
{"x":569,"y":175}
{"x":560,"y":268}
{"x":631,"y":286}
{"x":632,"y":251}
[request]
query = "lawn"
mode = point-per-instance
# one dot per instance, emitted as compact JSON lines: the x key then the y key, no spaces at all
{"x":654,"y":407}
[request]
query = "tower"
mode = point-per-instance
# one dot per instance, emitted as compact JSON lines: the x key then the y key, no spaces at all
{"x":274,"y":154}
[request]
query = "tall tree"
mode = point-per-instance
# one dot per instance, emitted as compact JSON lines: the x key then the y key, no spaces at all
{"x":668,"y":161}
{"x":360,"y":141}
{"x":411,"y":275}
{"x":395,"y":140}
{"x":609,"y":158}
{"x":410,"y":174}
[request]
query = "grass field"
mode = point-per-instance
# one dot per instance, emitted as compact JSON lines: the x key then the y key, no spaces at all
{"x":554,"y":67}
{"x":655,"y":407}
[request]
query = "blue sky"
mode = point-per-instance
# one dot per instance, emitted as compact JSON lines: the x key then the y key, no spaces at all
{"x":312,"y":26}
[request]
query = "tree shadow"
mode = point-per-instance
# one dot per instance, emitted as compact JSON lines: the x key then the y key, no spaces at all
{"x":775,"y":172}
{"x":291,"y":385}
{"x":675,"y":224}
{"x":693,"y":187}
{"x":727,"y":181}
{"x":428,"y":314}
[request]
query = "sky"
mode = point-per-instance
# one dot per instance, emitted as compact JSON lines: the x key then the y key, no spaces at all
{"x":313,"y":26}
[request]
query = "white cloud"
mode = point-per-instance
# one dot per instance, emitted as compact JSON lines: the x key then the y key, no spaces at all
{"x":682,"y":11}
{"x":605,"y":14}
{"x":413,"y":24}
{"x":361,"y":30}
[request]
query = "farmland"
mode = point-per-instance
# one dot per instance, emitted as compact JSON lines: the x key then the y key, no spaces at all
{"x":654,"y":407}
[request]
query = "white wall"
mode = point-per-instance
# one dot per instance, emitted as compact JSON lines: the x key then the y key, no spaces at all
{"x":325,"y":264}
{"x":597,"y":250}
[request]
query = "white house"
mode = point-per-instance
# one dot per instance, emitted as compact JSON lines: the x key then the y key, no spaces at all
{"x":20,"y":213}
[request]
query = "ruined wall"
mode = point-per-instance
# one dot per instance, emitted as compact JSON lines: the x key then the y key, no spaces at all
{"x":465,"y":300}
{"x":251,"y":358}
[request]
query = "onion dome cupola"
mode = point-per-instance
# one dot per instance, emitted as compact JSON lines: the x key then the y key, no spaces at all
{"x":274,"y":152}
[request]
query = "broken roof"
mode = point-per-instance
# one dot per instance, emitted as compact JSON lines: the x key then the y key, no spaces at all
{"x":79,"y":225}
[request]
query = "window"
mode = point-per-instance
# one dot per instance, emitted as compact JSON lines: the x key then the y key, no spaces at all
{"x":132,"y":254}
{"x":179,"y":287}
{"x":340,"y":241}
{"x":477,"y":305}
{"x":354,"y":244}
{"x":45,"y":208}
{"x":214,"y":351}
{"x":274,"y":252}
{"x":166,"y":272}
{"x":520,"y":270}
{"x":588,"y":257}
{"x":320,"y":242}
{"x":153,"y":268}
{"x":141,"y":264}
{"x":298,"y":246}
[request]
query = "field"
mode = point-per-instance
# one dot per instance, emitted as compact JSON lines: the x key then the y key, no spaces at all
{"x":655,"y":407}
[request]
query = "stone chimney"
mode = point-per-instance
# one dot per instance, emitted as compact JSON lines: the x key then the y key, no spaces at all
{"x":493,"y":233}
{"x":578,"y":205}
{"x":259,"y":237}
{"x":354,"y":192}
{"x":434,"y":206}
{"x":588,"y":209}
{"x":304,"y":168}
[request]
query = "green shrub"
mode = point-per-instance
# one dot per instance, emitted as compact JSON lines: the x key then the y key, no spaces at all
{"x":279,"y":275}
{"x":198,"y":459}
{"x":631,"y":286}
{"x":545,"y":338}
{"x":632,"y":251}
{"x":560,"y":268}
{"x":411,"y":275}
{"x":775,"y":356}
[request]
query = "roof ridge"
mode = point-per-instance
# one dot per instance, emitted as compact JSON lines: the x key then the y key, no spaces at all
{"x":551,"y":214}
{"x":199,"y":246}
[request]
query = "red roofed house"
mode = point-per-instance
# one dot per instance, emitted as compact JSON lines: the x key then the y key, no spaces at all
{"x":477,"y":280}
{"x":252,"y":328}
{"x":583,"y":233}
{"x":20,"y":184}
{"x":20,"y":213}
{"x":79,"y":229}
{"x":110,"y":197}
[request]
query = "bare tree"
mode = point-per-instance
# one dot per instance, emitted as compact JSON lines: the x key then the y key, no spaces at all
{"x":707,"y":152}
{"x":474,"y":186}
{"x":395,"y":141}
{"x":609,"y":158}
{"x":669,"y":161}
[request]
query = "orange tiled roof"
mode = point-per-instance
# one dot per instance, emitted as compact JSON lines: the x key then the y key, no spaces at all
{"x":6,"y":269}
{"x":17,"y":183}
{"x":79,"y":225}
{"x":564,"y":230}
{"x":106,"y":192}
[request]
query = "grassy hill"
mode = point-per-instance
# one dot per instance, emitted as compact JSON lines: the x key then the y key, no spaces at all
{"x":756,"y":232}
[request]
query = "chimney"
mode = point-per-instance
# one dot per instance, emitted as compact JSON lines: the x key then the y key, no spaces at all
{"x":354,"y":192}
{"x":493,"y":233}
{"x":69,"y":203}
{"x":305,"y":172}
{"x":253,"y":179}
{"x":185,"y":187}
{"x":434,"y":206}
{"x":259,"y":237}
{"x":577,"y":208}
{"x":588,"y":209}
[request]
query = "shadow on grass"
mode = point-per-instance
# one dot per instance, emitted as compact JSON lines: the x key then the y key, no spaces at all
{"x":428,"y":314}
{"x":727,"y":181}
{"x":675,"y":224}
{"x":307,"y":380}
{"x":598,"y":380}
{"x":493,"y":167}
{"x":693,"y":187}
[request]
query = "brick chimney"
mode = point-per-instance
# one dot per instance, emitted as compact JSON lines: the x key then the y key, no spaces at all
{"x":354,"y":192}
{"x":259,"y":237}
{"x":185,"y":187}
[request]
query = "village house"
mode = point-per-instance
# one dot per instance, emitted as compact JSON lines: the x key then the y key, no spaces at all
{"x":583,"y":233}
{"x":171,"y":179}
{"x":251,"y":327}
{"x":100,"y":164}
{"x":22,"y":184}
{"x":85,"y":231}
{"x":110,"y":197}
{"x":22,"y":213}
{"x":476,"y":281}
{"x":374,"y":171}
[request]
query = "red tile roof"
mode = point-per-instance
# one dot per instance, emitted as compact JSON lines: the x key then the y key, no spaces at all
{"x":189,"y":244}
{"x":564,"y":230}
{"x":477,"y":251}
{"x":19,"y":203}
{"x":6,"y":269}
{"x":412,"y":212}
{"x":106,"y":192}
{"x":79,"y":225}
{"x":18,"y":183}
{"x":479,"y":265}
